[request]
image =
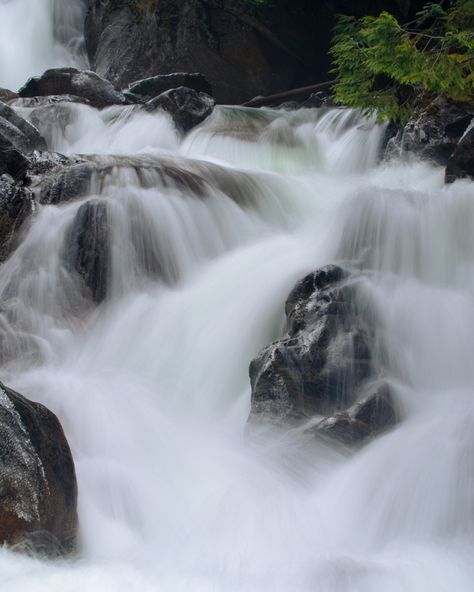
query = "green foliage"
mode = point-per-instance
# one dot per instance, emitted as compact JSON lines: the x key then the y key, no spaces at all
{"x":390,"y":68}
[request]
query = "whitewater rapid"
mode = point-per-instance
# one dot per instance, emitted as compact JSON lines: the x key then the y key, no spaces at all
{"x":176,"y":491}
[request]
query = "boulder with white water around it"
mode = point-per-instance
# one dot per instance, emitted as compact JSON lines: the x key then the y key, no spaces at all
{"x":87,"y":249}
{"x":374,"y":413}
{"x":324,"y":366}
{"x":186,"y":106}
{"x":38,"y":489}
{"x":79,"y":83}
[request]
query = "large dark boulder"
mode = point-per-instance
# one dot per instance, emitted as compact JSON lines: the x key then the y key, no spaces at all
{"x":243,"y":48}
{"x":70,"y":81}
{"x":232,"y":47}
{"x":325,"y":356}
{"x":461,"y":162}
{"x":434,"y":133}
{"x":151,"y":87}
{"x":12,"y":161}
{"x":186,"y":106}
{"x":325,"y":365}
{"x":87,"y":248}
{"x":38,"y":490}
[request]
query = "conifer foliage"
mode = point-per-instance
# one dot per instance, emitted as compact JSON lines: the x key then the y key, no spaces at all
{"x":388,"y":67}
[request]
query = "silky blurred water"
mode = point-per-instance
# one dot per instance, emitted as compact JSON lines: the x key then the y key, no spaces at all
{"x":176,"y":491}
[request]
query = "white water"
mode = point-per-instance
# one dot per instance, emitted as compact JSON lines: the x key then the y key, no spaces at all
{"x":176,"y":492}
{"x":36,"y":35}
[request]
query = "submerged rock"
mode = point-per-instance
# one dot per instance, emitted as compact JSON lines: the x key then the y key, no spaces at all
{"x":70,"y":81}
{"x":374,"y":413}
{"x":187,"y":107}
{"x":461,"y":162}
{"x":87,"y":248}
{"x":38,"y":490}
{"x":324,"y":365}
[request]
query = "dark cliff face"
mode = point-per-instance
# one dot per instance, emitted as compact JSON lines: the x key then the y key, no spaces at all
{"x":243,"y":48}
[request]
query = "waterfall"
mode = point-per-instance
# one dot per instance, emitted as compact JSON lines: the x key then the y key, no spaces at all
{"x":133,"y":313}
{"x":39,"y":34}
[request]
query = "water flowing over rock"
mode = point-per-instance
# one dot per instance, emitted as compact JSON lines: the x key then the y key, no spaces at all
{"x":87,"y":248}
{"x":71,"y":81}
{"x":38,"y":491}
{"x":370,"y":416}
{"x":156,"y":264}
{"x":324,"y":363}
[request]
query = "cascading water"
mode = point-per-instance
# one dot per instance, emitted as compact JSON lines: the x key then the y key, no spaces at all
{"x":39,"y":34}
{"x":204,"y":240}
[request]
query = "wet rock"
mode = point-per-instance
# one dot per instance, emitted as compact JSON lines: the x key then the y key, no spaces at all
{"x":319,"y":365}
{"x":70,"y":81}
{"x":66,"y":182}
{"x":12,"y":161}
{"x":15,"y":207}
{"x":435,"y":133}
{"x":151,"y":87}
{"x":187,"y":107}
{"x":21,"y":133}
{"x":38,"y":490}
{"x":324,"y":369}
{"x":7,"y":95}
{"x":243,"y":48}
{"x":87,"y":248}
{"x":237,"y":53}
{"x":461,"y":162}
{"x":373,"y":414}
